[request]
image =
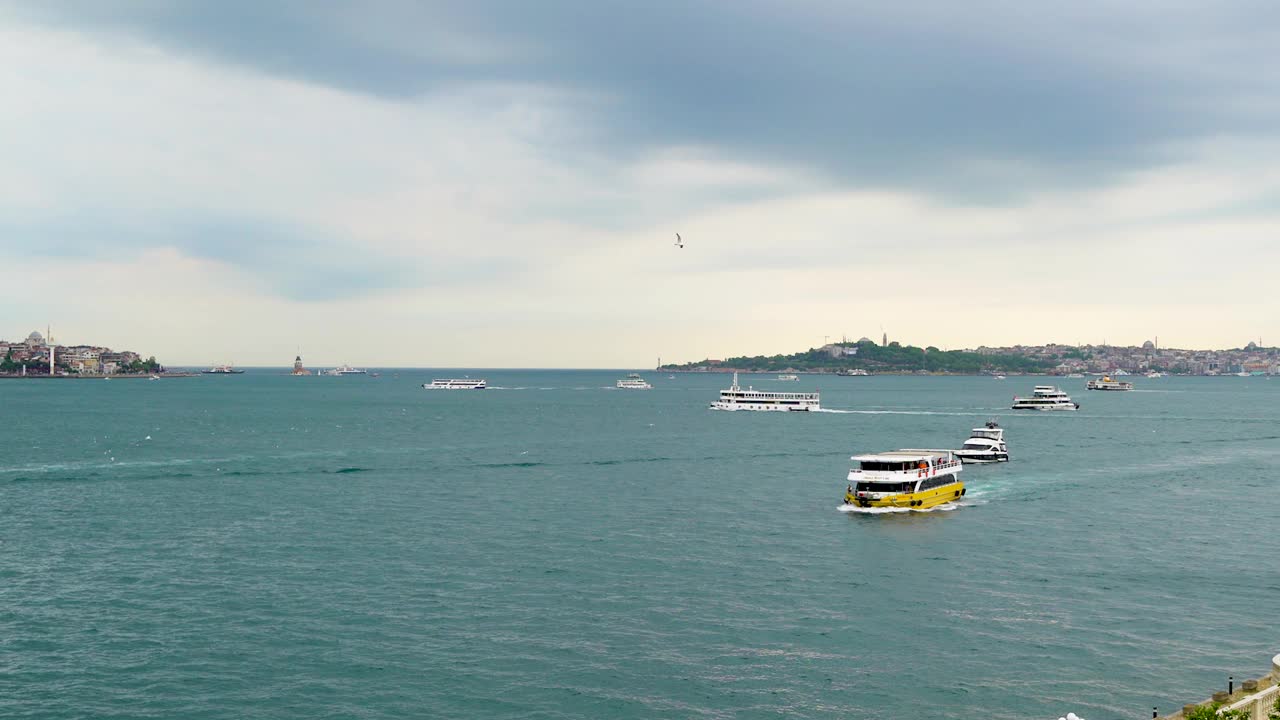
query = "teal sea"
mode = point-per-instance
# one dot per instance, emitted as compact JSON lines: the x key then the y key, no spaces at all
{"x":263,"y":546}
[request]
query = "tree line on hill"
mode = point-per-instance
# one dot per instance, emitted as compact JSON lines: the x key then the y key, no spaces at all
{"x":884,"y":358}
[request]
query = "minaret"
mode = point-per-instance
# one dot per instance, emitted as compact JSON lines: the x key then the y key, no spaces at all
{"x":48,"y":340}
{"x":884,"y":340}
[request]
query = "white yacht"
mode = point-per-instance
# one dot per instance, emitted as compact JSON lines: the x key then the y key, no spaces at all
{"x":789,"y":377}
{"x":634,"y":382}
{"x":1045,"y":397}
{"x":346,"y":370}
{"x":455,"y":384}
{"x":1075,"y":375}
{"x":1155,"y":374}
{"x":1001,"y":377}
{"x":735,"y":398}
{"x":856,"y":372}
{"x":985,"y":445}
{"x":1106,"y":383}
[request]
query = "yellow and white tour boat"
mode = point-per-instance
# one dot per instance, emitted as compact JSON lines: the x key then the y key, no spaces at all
{"x":911,"y":479}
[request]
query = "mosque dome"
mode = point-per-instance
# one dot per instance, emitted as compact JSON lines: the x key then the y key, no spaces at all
{"x":1148,"y":345}
{"x":35,"y":338}
{"x":865,"y":339}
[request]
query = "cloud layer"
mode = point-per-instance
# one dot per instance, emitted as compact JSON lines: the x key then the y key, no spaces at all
{"x":997,"y":173}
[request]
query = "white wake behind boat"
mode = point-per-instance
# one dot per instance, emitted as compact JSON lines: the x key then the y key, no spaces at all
{"x":735,"y":398}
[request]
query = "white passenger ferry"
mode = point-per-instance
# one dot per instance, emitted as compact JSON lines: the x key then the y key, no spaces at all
{"x":346,"y":370}
{"x":985,"y":445}
{"x":634,"y":382}
{"x":910,"y":479}
{"x":735,"y":398}
{"x":788,"y":377}
{"x":855,"y":372}
{"x":455,"y":384}
{"x":1045,"y":397}
{"x":1106,"y":383}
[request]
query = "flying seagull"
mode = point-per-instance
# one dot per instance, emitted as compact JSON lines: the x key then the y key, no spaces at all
{"x":679,"y":242}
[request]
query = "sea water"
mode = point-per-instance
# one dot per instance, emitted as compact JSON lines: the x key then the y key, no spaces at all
{"x":269,"y":546}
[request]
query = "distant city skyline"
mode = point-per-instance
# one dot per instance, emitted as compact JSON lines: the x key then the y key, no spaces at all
{"x":501,"y":186}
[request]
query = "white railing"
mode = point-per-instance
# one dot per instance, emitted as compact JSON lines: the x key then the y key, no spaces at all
{"x":1259,"y":704}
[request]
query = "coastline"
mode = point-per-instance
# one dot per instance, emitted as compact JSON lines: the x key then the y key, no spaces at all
{"x":130,"y":376}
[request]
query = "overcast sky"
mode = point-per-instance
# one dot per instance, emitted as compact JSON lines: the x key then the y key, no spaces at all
{"x":499,"y":184}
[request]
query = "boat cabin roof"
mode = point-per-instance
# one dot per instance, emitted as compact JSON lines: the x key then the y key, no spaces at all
{"x":906,"y":455}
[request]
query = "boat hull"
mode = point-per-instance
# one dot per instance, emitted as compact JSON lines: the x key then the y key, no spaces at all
{"x":979,"y":458}
{"x":760,"y":407}
{"x":911,"y":501}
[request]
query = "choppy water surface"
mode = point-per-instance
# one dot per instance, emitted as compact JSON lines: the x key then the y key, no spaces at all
{"x":268,"y":546}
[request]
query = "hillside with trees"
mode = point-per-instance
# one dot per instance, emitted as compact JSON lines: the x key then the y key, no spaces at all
{"x":869,"y":356}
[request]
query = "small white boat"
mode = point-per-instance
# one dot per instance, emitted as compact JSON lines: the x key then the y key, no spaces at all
{"x":1045,"y":397}
{"x":789,"y":377}
{"x":1075,"y":375}
{"x":1153,"y":375}
{"x":1244,"y":373}
{"x":735,"y":398}
{"x":455,"y":384}
{"x":634,"y":382}
{"x":1106,"y":383}
{"x":985,"y":445}
{"x":856,"y":372}
{"x":1000,"y":377}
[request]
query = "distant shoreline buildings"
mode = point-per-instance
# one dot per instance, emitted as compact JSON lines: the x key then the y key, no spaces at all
{"x":38,"y":355}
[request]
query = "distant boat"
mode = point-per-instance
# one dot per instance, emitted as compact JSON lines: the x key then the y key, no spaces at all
{"x":735,"y":398}
{"x":856,"y":372}
{"x":455,"y":384}
{"x":1106,"y":383}
{"x":1045,"y":397}
{"x":633,"y":382}
{"x":788,"y":377}
{"x":346,"y":370}
{"x":1001,"y":377}
{"x":221,"y":370}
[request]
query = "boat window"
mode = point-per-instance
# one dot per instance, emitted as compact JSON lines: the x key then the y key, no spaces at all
{"x":937,"y":482}
{"x":974,"y":446}
{"x":905,"y":487}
